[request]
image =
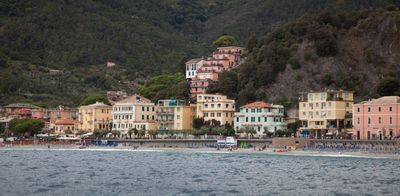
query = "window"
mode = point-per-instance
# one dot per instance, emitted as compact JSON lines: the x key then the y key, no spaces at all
{"x":390,"y":109}
{"x":369,"y":109}
{"x":206,"y":105}
{"x":390,"y":120}
{"x":304,"y":105}
{"x":143,"y":108}
{"x":247,"y":119}
{"x":379,"y":120}
{"x":358,"y":109}
{"x":178,"y":109}
{"x":347,"y":105}
{"x":237,"y":119}
{"x":369,"y":120}
{"x":358,"y":120}
{"x":379,"y":109}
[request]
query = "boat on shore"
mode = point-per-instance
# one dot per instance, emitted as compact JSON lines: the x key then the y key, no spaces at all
{"x":228,"y":142}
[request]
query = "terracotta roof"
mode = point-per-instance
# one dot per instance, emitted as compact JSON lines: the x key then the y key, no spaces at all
{"x":257,"y":104}
{"x":383,"y":100}
{"x":21,"y":105}
{"x":65,"y":122}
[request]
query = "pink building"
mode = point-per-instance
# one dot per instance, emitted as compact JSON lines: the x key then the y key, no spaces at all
{"x":377,"y":119}
{"x":223,"y":59}
{"x":50,"y":116}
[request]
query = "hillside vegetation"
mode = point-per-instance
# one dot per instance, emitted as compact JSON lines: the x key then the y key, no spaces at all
{"x":144,"y":38}
{"x":357,"y":51}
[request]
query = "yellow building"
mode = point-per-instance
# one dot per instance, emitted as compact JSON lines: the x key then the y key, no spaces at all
{"x":175,"y":115}
{"x":326,"y":113}
{"x":95,"y":116}
{"x":215,"y":107}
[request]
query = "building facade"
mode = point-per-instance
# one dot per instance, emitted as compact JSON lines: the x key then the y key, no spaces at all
{"x":326,"y":114}
{"x":192,"y":66}
{"x":377,"y":119}
{"x":64,"y":126}
{"x":175,"y":115}
{"x":50,"y":116}
{"x":260,"y":116}
{"x":95,"y":116}
{"x":134,"y":112}
{"x":215,"y":107}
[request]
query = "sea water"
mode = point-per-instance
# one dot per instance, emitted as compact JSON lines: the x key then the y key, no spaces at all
{"x":128,"y":172}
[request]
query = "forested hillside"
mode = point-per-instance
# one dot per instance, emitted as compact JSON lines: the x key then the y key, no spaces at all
{"x":357,"y":51}
{"x":144,"y":38}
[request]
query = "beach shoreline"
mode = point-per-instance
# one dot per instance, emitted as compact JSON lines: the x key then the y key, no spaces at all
{"x":268,"y":151}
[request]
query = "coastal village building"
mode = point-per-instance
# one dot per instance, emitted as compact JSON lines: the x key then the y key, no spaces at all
{"x":261,"y":116}
{"x":192,"y":66}
{"x":134,"y":112}
{"x":50,"y":116}
{"x":326,"y":113}
{"x":16,"y":110}
{"x":95,"y":116}
{"x":63,"y":126}
{"x":215,"y":107}
{"x":175,"y":115}
{"x":377,"y":119}
{"x":223,"y":59}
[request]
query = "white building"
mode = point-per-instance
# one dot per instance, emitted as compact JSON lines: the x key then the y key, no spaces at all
{"x":260,"y":116}
{"x":192,"y":66}
{"x":134,"y":112}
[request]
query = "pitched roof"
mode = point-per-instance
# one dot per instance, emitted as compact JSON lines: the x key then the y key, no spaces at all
{"x":257,"y":104}
{"x":136,"y":98}
{"x":64,"y":122}
{"x":192,"y":61}
{"x":96,"y":105}
{"x":383,"y":100}
{"x":21,"y":105}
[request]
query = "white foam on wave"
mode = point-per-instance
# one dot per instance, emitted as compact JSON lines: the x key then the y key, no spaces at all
{"x":336,"y":155}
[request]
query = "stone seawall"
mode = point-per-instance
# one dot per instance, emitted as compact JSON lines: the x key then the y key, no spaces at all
{"x":292,"y":143}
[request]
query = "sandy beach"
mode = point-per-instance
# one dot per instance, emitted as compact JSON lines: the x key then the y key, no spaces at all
{"x":269,"y":151}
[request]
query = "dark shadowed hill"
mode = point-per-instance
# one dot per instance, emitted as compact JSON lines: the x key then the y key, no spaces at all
{"x":55,"y":51}
{"x":357,"y":51}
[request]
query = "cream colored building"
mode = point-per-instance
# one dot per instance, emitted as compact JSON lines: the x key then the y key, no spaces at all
{"x":95,"y":116}
{"x":215,"y":107}
{"x":134,"y":112}
{"x":175,"y":115}
{"x":326,"y":113}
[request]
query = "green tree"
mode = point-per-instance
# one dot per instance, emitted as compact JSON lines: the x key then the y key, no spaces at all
{"x":226,"y":40}
{"x":153,"y":133}
{"x":326,"y":46}
{"x":292,"y":127}
{"x":93,"y":98}
{"x":388,"y":87}
{"x":165,"y":86}
{"x":2,"y":128}
{"x":26,"y":127}
{"x":198,"y":123}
